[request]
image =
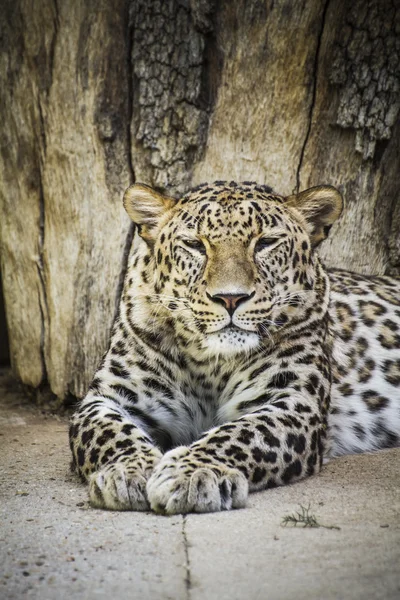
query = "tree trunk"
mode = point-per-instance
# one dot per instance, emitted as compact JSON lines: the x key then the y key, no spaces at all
{"x":94,"y":95}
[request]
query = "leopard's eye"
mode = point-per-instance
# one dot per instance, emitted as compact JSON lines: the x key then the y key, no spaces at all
{"x":267,"y":242}
{"x":195,"y":245}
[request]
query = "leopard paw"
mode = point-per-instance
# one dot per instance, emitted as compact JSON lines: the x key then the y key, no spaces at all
{"x":180,"y":483}
{"x":121,"y":486}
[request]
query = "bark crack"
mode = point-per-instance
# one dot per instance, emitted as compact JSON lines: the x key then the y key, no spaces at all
{"x":129,"y":68}
{"x":188,"y":575}
{"x":131,"y":230}
{"x":44,"y":312}
{"x":313,"y":96}
{"x":43,"y":304}
{"x":53,"y":43}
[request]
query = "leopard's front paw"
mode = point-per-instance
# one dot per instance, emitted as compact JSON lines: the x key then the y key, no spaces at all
{"x":121,"y":485}
{"x":181,"y":483}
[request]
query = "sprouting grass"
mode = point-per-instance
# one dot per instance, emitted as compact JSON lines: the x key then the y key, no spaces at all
{"x":304,"y":518}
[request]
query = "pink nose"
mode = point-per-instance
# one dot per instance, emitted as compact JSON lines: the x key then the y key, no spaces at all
{"x":230,"y":301}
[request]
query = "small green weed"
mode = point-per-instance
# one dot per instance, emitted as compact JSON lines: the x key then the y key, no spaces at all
{"x":303,"y":518}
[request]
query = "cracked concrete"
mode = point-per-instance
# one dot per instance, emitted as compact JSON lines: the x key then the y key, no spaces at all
{"x":53,"y":545}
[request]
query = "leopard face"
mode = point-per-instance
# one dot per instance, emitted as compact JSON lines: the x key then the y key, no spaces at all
{"x":229,"y":267}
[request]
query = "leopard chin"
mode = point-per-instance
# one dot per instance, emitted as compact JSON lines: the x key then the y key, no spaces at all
{"x":230,"y":341}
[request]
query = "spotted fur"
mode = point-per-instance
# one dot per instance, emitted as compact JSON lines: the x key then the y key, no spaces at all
{"x":236,"y":363}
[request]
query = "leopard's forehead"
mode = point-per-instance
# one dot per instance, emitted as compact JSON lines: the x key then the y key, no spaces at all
{"x":230,"y":191}
{"x":230,"y":210}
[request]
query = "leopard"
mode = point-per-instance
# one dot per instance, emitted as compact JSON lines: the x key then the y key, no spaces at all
{"x":237,"y":361}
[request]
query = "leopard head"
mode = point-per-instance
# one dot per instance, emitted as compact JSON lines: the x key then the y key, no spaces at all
{"x":231,"y":266}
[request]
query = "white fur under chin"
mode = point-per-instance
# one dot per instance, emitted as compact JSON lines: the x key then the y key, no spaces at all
{"x":229,"y":343}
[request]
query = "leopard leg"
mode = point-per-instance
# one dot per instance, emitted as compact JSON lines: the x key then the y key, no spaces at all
{"x":112,"y":453}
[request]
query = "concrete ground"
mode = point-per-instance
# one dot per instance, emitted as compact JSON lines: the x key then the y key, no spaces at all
{"x":54,"y":546}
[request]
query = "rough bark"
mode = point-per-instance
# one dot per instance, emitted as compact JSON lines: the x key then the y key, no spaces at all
{"x":355,"y":128}
{"x":174,"y":92}
{"x":171,"y":92}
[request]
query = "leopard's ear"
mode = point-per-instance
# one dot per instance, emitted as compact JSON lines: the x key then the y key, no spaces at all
{"x":146,"y":207}
{"x":320,"y":207}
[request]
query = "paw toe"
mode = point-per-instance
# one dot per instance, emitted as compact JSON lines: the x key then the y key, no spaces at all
{"x":204,"y":494}
{"x":240,"y":490}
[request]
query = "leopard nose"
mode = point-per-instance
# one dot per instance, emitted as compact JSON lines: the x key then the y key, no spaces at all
{"x":230,"y":301}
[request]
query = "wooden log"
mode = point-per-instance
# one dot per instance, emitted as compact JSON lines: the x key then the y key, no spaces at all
{"x":95,"y":95}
